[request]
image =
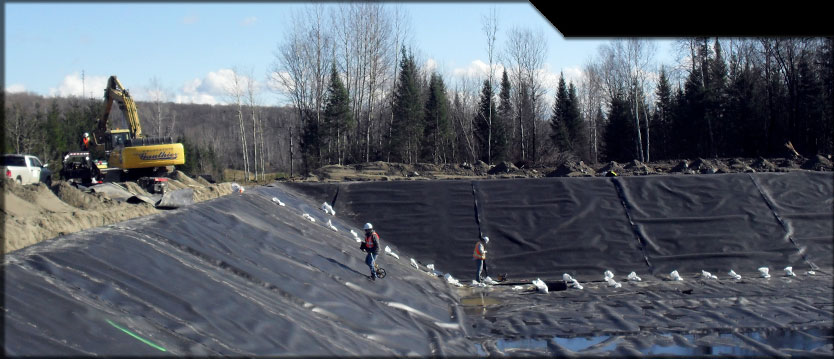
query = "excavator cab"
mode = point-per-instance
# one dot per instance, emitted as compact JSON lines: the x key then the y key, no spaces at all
{"x":118,"y":138}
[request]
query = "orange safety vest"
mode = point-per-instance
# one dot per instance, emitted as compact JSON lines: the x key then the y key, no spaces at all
{"x":86,"y":142}
{"x":478,"y":254}
{"x":369,"y":242}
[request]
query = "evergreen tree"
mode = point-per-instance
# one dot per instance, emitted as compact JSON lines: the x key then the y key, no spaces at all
{"x":663,"y":116}
{"x":438,"y":131}
{"x":692,"y":129}
{"x":716,"y":93}
{"x":484,"y":132}
{"x":577,"y":130}
{"x":559,"y":134}
{"x":745,"y":106}
{"x":408,"y":111}
{"x":338,"y":118}
{"x":567,"y":129}
{"x":311,"y":140}
{"x":503,"y":120}
{"x":619,"y":131}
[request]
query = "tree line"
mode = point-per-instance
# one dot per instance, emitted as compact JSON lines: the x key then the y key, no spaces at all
{"x":360,"y":95}
{"x":359,"y":91}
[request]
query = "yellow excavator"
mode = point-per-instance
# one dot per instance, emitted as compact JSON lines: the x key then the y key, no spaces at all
{"x":129,"y":154}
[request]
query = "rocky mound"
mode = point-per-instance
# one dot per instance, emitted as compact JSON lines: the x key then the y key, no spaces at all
{"x":818,"y":163}
{"x":503,"y":168}
{"x":572,"y":169}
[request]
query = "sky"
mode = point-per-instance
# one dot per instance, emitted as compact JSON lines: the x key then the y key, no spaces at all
{"x":190,"y":49}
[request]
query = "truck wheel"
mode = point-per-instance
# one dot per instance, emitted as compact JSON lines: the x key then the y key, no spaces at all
{"x":48,"y":181}
{"x":19,"y":181}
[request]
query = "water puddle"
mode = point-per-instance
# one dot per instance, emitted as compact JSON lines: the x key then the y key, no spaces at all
{"x":479,"y":304}
{"x":818,"y":340}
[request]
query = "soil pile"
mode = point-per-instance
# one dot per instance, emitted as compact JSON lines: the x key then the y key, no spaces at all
{"x":33,"y":213}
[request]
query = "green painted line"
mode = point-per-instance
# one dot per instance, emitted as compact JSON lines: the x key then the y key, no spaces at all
{"x":143,"y":340}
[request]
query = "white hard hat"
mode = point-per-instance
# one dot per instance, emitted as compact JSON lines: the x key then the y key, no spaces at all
{"x":369,"y":226}
{"x":86,"y":134}
{"x":486,"y":239}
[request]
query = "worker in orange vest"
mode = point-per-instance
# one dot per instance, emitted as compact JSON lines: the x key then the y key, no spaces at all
{"x":371,"y":246}
{"x":480,"y":256}
{"x":85,"y":142}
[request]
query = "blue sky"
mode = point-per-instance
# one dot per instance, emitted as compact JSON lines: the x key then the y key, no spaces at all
{"x":188,"y":47}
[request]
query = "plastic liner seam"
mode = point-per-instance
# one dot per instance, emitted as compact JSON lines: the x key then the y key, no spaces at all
{"x":637,"y":234}
{"x":781,"y":222}
{"x":477,"y":214}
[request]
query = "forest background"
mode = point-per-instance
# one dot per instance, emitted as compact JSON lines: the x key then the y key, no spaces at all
{"x":359,"y":94}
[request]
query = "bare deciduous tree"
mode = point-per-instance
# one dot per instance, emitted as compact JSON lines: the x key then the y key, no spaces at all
{"x":300,"y":69}
{"x":524,"y":57}
{"x":236,"y":91}
{"x":489,"y":25}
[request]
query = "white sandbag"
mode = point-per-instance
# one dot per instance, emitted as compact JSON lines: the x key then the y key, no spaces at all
{"x":540,"y":285}
{"x":414,"y":264}
{"x":278,"y":201}
{"x":675,"y":275}
{"x":328,"y":209}
{"x":330,"y":224}
{"x":490,"y":281}
{"x":576,"y":284}
{"x":451,"y":280}
{"x":236,"y":188}
{"x":708,"y":275}
{"x":391,"y":253}
{"x":309,"y":217}
{"x":632,"y":277}
{"x":613,"y":283}
{"x":789,"y":272}
{"x":567,"y":277}
{"x":763,"y":271}
{"x":733,"y":274}
{"x":608,"y":274}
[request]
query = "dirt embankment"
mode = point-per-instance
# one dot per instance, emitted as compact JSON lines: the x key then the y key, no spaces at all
{"x":384,"y":171}
{"x":33,"y":213}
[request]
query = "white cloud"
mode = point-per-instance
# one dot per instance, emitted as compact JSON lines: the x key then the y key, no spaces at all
{"x":249,"y":21}
{"x":573,"y":74}
{"x":214,"y":88}
{"x":431,"y":65}
{"x":73,"y":85}
{"x":476,"y":68}
{"x":15,"y":88}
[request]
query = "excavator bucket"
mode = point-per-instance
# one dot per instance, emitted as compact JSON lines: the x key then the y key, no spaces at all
{"x":176,"y":199}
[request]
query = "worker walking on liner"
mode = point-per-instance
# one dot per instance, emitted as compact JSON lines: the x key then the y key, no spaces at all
{"x":371,"y":246}
{"x":480,"y":256}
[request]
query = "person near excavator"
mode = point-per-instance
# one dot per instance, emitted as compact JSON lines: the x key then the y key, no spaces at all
{"x":85,"y":142}
{"x":480,"y":257}
{"x":371,"y":246}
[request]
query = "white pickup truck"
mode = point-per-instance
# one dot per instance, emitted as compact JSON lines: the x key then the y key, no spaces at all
{"x":26,"y":169}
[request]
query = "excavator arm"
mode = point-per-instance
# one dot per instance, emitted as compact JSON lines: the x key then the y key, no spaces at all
{"x":115,"y":92}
